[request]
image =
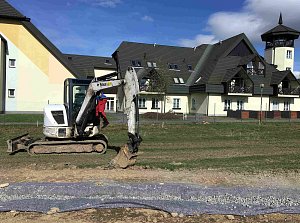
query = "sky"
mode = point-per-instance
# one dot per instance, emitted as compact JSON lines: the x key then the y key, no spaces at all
{"x":97,"y":27}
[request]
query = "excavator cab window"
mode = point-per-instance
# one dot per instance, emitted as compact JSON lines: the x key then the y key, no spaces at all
{"x":74,"y":94}
{"x":79,"y":93}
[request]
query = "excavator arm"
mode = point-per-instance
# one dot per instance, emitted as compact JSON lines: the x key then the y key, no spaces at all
{"x":128,"y":91}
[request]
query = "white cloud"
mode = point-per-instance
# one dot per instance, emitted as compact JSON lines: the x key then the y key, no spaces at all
{"x":255,"y":18}
{"x":199,"y":39}
{"x":297,"y":74}
{"x":147,"y":18}
{"x":103,"y":3}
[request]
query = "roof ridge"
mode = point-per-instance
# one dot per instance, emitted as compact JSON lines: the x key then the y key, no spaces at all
{"x":162,"y":45}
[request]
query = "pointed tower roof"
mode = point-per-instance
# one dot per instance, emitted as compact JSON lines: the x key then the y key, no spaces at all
{"x":9,"y":12}
{"x":280,"y":30}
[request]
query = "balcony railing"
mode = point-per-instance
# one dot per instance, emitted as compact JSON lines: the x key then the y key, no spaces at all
{"x":280,"y":43}
{"x":252,"y":71}
{"x":289,"y":91}
{"x":240,"y":89}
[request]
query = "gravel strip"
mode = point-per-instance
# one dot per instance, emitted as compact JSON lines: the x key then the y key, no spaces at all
{"x":179,"y":198}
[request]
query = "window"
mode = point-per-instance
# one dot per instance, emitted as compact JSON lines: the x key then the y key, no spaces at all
{"x":11,"y":93}
{"x":155,"y":103}
{"x":173,"y":66}
{"x":286,"y":106}
{"x":107,"y":61}
{"x":151,"y":64}
{"x":176,"y":81}
{"x":176,"y":103}
{"x":193,"y":104}
{"x":110,"y":104}
{"x":240,"y":105}
{"x":142,"y":102}
{"x":190,"y":67}
{"x":275,"y":106}
{"x":227,"y":104}
{"x":12,"y":63}
{"x":181,"y":81}
{"x":289,"y":54}
{"x":136,"y":63}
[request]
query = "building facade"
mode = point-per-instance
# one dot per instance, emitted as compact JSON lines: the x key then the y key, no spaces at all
{"x":32,"y":69}
{"x":215,"y":79}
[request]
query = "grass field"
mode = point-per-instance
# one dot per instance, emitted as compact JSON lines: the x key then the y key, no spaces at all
{"x":227,"y":146}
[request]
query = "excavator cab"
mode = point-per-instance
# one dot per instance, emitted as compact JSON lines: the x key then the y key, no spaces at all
{"x":74,"y":93}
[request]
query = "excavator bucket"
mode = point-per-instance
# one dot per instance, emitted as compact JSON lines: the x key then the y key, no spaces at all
{"x":124,"y":158}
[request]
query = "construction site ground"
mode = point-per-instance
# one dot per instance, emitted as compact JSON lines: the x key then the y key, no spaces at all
{"x":226,"y":155}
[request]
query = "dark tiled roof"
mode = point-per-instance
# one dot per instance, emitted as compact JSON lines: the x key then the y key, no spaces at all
{"x":278,"y":76}
{"x":162,"y":55}
{"x":7,"y":11}
{"x":85,"y":65}
{"x":219,"y":60}
{"x":280,"y":30}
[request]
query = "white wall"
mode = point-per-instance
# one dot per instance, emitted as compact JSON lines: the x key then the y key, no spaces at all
{"x":184,"y":104}
{"x":201,"y":101}
{"x":102,"y":72}
{"x":278,"y":57}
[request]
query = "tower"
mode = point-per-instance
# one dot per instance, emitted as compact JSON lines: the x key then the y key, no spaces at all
{"x":280,"y":46}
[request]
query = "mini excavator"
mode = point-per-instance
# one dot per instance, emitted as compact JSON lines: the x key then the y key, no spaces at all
{"x":73,"y":126}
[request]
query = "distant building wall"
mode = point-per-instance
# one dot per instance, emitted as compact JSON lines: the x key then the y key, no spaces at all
{"x":278,"y":56}
{"x":37,"y":77}
{"x":102,"y":72}
{"x":198,"y":103}
{"x":2,"y":76}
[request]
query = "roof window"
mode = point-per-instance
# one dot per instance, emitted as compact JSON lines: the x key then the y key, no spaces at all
{"x":151,"y":64}
{"x":173,"y":66}
{"x":107,"y":61}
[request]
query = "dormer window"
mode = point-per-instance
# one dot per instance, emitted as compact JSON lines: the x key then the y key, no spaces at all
{"x":151,"y":64}
{"x":255,"y":67}
{"x":190,"y":67}
{"x":107,"y":61}
{"x":173,"y":66}
{"x":250,"y":65}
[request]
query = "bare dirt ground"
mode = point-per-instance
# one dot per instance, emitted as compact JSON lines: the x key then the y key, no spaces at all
{"x":36,"y":173}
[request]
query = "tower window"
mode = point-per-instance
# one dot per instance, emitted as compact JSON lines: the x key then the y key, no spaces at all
{"x":173,"y":66}
{"x":289,"y":54}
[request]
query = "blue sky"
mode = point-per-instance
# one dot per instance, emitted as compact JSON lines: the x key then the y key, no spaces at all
{"x":97,"y":27}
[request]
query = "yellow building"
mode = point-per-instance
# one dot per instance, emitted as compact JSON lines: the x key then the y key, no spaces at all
{"x":32,"y":69}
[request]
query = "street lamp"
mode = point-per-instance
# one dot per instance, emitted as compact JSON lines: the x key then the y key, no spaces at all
{"x":261,"y":92}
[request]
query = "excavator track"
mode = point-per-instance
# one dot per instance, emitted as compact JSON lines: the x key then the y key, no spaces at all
{"x":123,"y":159}
{"x":48,"y":147}
{"x":32,"y":146}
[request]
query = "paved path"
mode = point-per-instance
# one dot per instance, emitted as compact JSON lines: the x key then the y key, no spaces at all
{"x":179,"y":198}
